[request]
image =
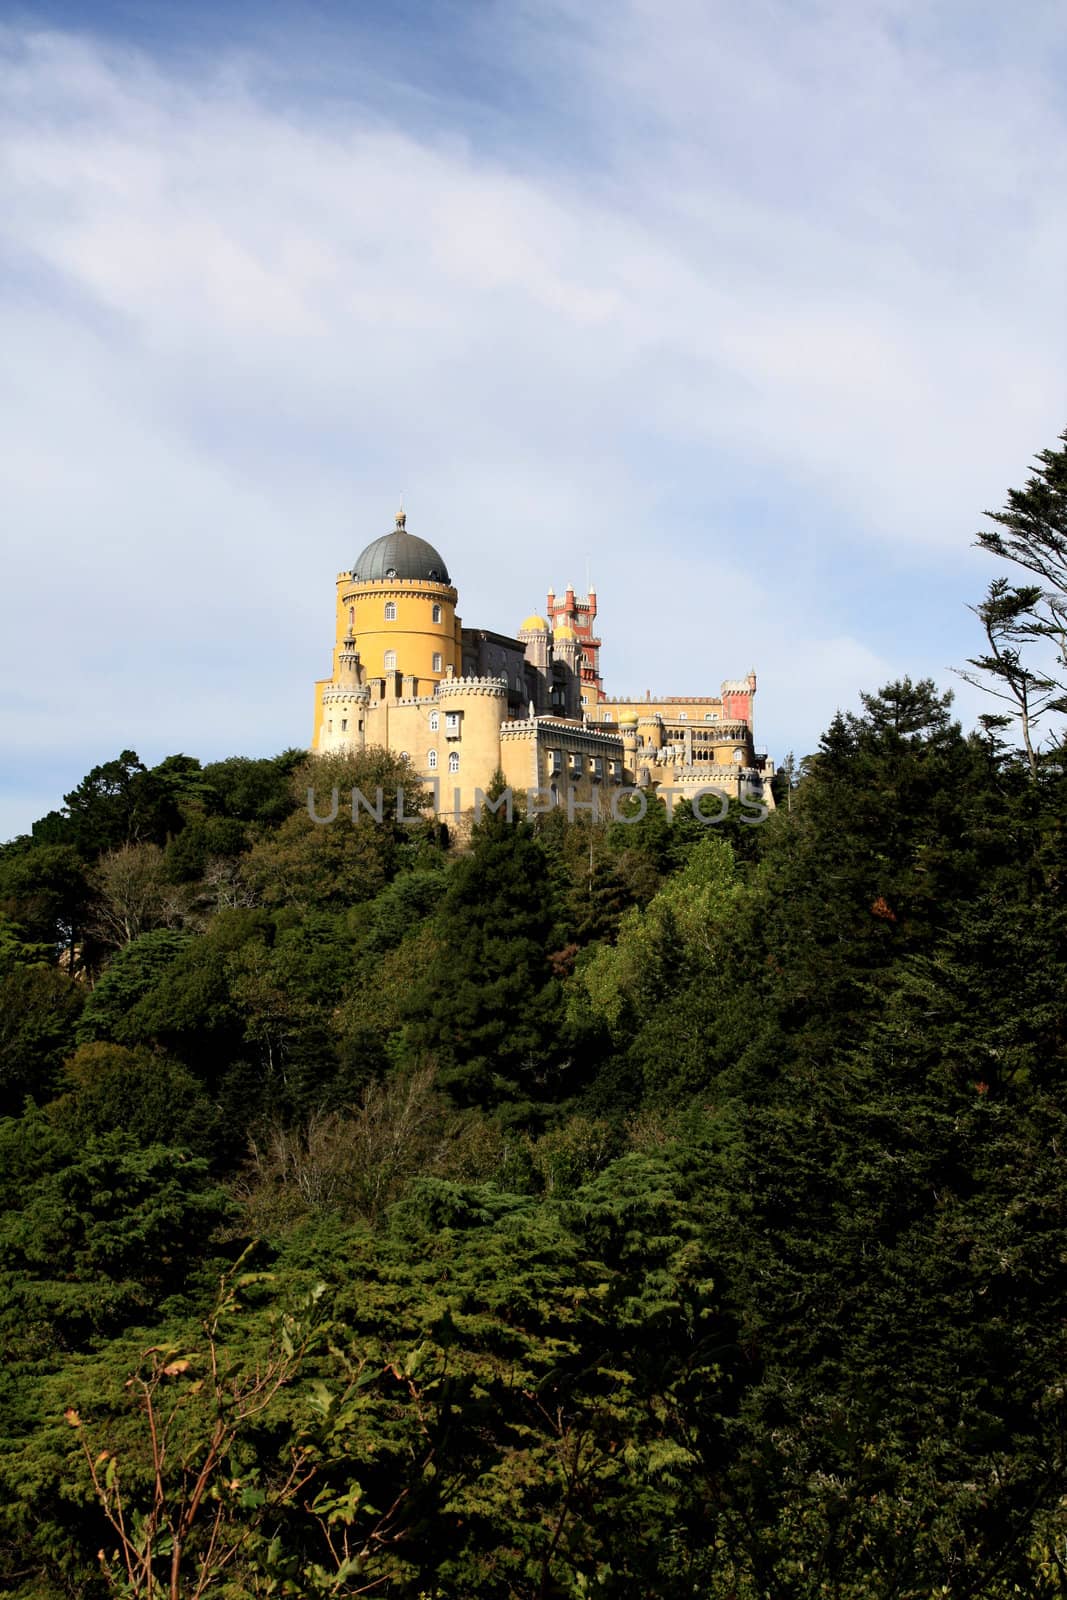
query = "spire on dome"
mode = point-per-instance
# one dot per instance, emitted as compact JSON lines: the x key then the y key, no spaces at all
{"x":401,"y":517}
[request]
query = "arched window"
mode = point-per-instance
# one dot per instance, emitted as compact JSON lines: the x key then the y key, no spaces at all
{"x":453,"y":761}
{"x":437,"y":613}
{"x":683,"y":716}
{"x":435,"y":721}
{"x":390,"y":661}
{"x":431,"y":760}
{"x":351,"y":616}
{"x":390,"y":611}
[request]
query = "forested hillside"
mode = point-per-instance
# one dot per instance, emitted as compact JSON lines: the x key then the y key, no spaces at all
{"x":622,"y":1209}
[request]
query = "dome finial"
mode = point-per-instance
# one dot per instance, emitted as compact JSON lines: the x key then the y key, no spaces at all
{"x":401,"y":519}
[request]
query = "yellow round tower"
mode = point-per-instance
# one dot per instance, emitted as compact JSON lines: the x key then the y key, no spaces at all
{"x":399,"y":606}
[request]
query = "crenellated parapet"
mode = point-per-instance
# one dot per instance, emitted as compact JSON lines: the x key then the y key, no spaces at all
{"x":395,"y":588}
{"x":345,"y":691}
{"x":493,"y":688}
{"x":453,"y":701}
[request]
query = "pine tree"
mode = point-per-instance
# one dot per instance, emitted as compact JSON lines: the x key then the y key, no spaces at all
{"x":488,"y":1007}
{"x":1030,"y":532}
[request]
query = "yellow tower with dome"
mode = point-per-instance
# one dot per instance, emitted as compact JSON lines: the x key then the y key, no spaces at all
{"x":461,"y":704}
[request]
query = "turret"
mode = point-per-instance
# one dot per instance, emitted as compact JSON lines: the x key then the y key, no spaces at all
{"x":536,"y":635}
{"x":628,"y":729}
{"x":565,"y":681}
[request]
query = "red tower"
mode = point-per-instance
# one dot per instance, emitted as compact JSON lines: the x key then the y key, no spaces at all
{"x":580,"y":614}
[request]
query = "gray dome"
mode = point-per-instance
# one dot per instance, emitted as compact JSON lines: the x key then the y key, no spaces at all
{"x":400,"y":555}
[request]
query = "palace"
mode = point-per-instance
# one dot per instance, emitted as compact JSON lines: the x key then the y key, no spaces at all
{"x":463,"y":703}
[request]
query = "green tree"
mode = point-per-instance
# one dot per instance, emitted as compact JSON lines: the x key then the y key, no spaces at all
{"x":105,"y":1087}
{"x":1005,"y":615}
{"x":131,"y":974}
{"x":332,"y":865}
{"x":96,"y":1236}
{"x":48,"y":892}
{"x":1030,"y":532}
{"x":254,"y":790}
{"x":488,"y":1008}
{"x":39,"y":1010}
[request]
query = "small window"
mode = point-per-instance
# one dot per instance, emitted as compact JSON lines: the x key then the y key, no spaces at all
{"x":585,"y":699}
{"x":390,"y":611}
{"x":344,"y":724}
{"x":739,"y":756}
{"x":351,"y":616}
{"x":437,"y":613}
{"x":711,"y":716}
{"x":605,"y":716}
{"x":453,"y":761}
{"x":437,"y":661}
{"x":452,"y":722}
{"x":404,"y":756}
{"x":435,"y":721}
{"x":390,"y":661}
{"x":683,"y":716}
{"x":329,"y":726}
{"x":431,"y":760}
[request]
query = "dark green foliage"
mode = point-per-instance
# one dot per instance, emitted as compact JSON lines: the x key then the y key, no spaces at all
{"x":16,"y":951}
{"x":488,"y":1008}
{"x":254,"y":790}
{"x":48,"y":893}
{"x":398,"y":910}
{"x":650,"y":1210}
{"x":131,"y":973}
{"x":192,"y":851}
{"x":39,"y":1010}
{"x":122,"y":802}
{"x":105,"y":1088}
{"x":96,"y":1234}
{"x":1025,"y":664}
{"x":313,"y":865}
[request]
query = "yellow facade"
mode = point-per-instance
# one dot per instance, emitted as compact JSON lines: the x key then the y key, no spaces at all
{"x":412,"y":621}
{"x":399,"y":683}
{"x":691,"y":708}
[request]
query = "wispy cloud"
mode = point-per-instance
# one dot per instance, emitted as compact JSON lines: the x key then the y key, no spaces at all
{"x":753,"y":306}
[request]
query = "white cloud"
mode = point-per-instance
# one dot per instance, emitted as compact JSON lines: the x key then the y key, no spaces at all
{"x":815,"y":249}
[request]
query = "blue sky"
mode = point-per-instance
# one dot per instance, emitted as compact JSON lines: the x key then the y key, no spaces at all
{"x":754,"y":307}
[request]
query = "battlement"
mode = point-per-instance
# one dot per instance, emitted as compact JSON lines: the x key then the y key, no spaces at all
{"x":552,"y":666}
{"x":340,"y":691}
{"x":494,"y":687}
{"x":648,"y":698}
{"x":563,"y":728}
{"x":385,"y":586}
